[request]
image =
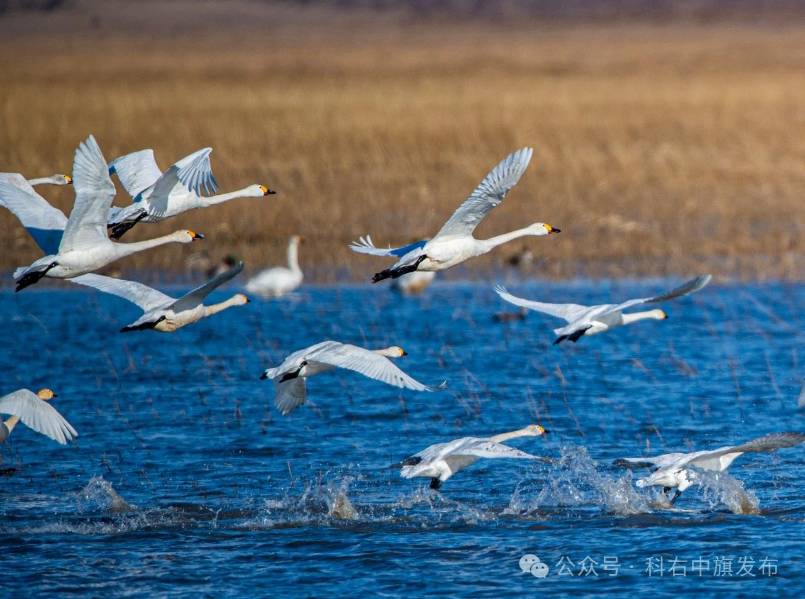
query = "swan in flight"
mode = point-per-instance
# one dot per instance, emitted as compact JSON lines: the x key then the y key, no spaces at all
{"x":278,"y":281}
{"x":677,"y":470}
{"x":289,"y":377}
{"x":413,"y":283}
{"x":162,"y":312}
{"x":35,"y":413}
{"x":52,"y":180}
{"x":80,"y":244}
{"x":157,"y":195}
{"x":454,"y":243}
{"x":592,"y":320}
{"x":441,"y":461}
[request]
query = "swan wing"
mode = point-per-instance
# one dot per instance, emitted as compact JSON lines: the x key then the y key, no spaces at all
{"x":38,"y":415}
{"x":691,"y":286}
{"x":365,"y":362}
{"x":487,"y":195}
{"x":44,"y":223}
{"x":720,"y":458}
{"x":289,"y":395}
{"x":489,"y":449}
{"x":191,"y":173}
{"x":196,"y":296}
{"x":654,"y":462}
{"x":142,"y":295}
{"x":364,"y":245}
{"x":136,"y":171}
{"x":94,"y":192}
{"x":569,"y":312}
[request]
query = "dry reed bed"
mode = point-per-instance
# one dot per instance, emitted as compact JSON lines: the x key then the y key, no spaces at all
{"x":657,"y":150}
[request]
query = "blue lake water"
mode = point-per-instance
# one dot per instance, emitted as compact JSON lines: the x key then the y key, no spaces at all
{"x":185,"y":480}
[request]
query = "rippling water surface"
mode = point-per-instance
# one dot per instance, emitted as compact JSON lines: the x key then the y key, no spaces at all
{"x":185,"y":480}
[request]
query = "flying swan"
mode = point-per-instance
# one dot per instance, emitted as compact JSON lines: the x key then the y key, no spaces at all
{"x":454,"y":243}
{"x":278,"y":281}
{"x":441,"y":461}
{"x":677,"y":470}
{"x":162,"y":312}
{"x":80,"y":244}
{"x":157,"y":195}
{"x":592,"y":320}
{"x":289,"y":377}
{"x":35,"y":413}
{"x":57,"y":179}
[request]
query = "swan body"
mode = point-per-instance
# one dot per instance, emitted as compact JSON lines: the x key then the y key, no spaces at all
{"x":279,"y":281}
{"x":594,"y":320}
{"x":442,"y":460}
{"x":678,"y":470}
{"x":289,"y":377}
{"x":162,"y":312}
{"x":158,"y":196}
{"x":57,"y":179}
{"x":454,"y":243}
{"x":34,"y":412}
{"x":80,"y":244}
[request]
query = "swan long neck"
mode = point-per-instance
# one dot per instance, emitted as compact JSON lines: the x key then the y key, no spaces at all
{"x":635,"y":316}
{"x":493,"y":242}
{"x":40,"y":181}
{"x":221,"y":306}
{"x":506,"y":436}
{"x":293,"y":256}
{"x":126,"y":249}
{"x":11,"y":423}
{"x":223,"y":197}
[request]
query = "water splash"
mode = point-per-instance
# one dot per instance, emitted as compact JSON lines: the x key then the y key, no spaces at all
{"x":100,"y":495}
{"x":719,"y":488}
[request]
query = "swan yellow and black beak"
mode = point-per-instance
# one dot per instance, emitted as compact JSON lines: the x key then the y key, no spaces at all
{"x":266,"y":191}
{"x":551,"y":229}
{"x":68,"y":179}
{"x":195,"y":236}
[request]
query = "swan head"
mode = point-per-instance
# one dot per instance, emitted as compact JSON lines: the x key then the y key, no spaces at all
{"x":187,"y":236}
{"x":259,"y":190}
{"x":45,"y":394}
{"x":659,"y":314}
{"x":62,"y":179}
{"x":240,"y":299}
{"x":543,"y":229}
{"x":296,"y":240}
{"x":535,"y":430}
{"x":395,"y":351}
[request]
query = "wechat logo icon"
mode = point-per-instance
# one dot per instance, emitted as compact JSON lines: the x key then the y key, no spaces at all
{"x":530,"y":563}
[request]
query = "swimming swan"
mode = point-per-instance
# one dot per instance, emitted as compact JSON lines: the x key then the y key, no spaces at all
{"x":278,"y":281}
{"x":162,"y":312}
{"x":441,"y":461}
{"x":35,"y":413}
{"x":289,"y":377}
{"x":592,"y":320}
{"x":80,"y":244}
{"x":675,"y":470}
{"x":454,"y":243}
{"x":157,"y":195}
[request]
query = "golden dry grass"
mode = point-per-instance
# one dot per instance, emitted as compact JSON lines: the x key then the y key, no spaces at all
{"x":672,"y":150}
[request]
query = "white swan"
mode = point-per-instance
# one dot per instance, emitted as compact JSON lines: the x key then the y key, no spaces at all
{"x":52,"y":180}
{"x":413,"y":283}
{"x":289,"y":377}
{"x":157,"y":195}
{"x":80,"y":244}
{"x":162,"y":312}
{"x":35,"y":413}
{"x":278,"y":281}
{"x":454,"y":242}
{"x":592,"y":320}
{"x":677,"y":470}
{"x":441,"y":461}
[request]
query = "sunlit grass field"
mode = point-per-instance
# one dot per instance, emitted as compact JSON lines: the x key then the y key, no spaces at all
{"x":658,"y":150}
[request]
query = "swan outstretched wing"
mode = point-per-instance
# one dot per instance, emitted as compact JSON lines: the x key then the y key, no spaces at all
{"x":142,"y":295}
{"x":196,"y":296}
{"x":289,"y":395}
{"x":43,"y":222}
{"x":568,"y":312}
{"x":94,"y":192}
{"x":489,"y":449}
{"x":717,"y":458}
{"x":192,"y":173}
{"x":365,"y":362}
{"x":137,"y":171}
{"x":488,"y":194}
{"x":691,"y":286}
{"x":364,"y":245}
{"x":38,"y":415}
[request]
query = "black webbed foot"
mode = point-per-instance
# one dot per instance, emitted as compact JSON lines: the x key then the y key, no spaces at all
{"x":29,"y":278}
{"x":435,"y":484}
{"x":396,"y":273}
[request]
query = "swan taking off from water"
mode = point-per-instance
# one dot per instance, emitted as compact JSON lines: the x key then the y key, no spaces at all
{"x":162,"y":312}
{"x":592,"y":320}
{"x":289,"y":377}
{"x":454,"y":243}
{"x":80,"y":244}
{"x":52,"y":180}
{"x":157,"y":195}
{"x":35,"y":413}
{"x":278,"y":281}
{"x":677,"y":470}
{"x":441,"y":461}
